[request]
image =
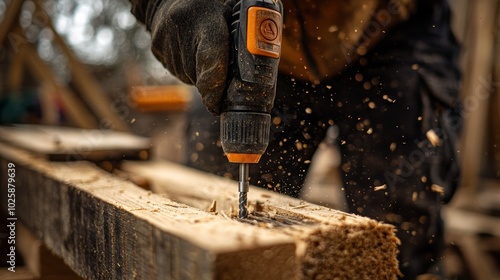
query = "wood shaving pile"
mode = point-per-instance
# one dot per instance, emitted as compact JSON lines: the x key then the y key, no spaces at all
{"x":350,"y":251}
{"x":349,"y":247}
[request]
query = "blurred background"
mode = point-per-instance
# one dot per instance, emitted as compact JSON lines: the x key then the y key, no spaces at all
{"x":84,"y":64}
{"x":88,"y":64}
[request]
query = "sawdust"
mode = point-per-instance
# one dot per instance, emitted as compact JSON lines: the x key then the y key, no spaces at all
{"x":437,"y":188}
{"x":348,"y":251}
{"x":380,"y":188}
{"x":347,"y":247}
{"x":433,"y":138}
{"x":300,"y":206}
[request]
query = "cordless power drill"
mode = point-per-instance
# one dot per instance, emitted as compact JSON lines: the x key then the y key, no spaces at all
{"x":256,"y":31}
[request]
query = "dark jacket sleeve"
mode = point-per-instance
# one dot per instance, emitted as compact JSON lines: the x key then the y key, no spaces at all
{"x":144,"y":10}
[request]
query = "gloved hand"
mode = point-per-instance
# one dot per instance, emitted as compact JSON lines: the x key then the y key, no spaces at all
{"x":191,"y":39}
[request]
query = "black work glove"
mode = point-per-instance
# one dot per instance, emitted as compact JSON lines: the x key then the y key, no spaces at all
{"x":191,"y":39}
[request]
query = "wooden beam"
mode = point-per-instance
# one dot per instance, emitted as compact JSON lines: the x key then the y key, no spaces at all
{"x":92,"y":92}
{"x":106,"y":228}
{"x":342,"y":236}
{"x":9,"y":19}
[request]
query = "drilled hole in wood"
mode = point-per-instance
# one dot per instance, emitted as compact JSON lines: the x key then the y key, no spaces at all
{"x":263,"y":219}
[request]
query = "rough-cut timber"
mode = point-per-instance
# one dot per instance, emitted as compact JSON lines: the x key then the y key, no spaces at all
{"x":106,"y":228}
{"x":330,"y":244}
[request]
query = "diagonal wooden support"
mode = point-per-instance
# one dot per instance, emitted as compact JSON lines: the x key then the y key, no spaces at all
{"x":92,"y":92}
{"x":16,"y":72}
{"x":76,"y":112}
{"x":26,"y":58}
{"x":10,"y":19}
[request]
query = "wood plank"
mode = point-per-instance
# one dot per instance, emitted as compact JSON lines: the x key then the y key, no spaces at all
{"x":343,"y":237}
{"x":66,"y":143}
{"x":106,"y":228}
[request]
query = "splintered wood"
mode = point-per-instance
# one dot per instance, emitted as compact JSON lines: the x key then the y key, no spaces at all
{"x":106,"y":228}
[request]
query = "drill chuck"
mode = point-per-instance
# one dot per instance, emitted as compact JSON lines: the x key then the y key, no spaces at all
{"x":244,"y":135}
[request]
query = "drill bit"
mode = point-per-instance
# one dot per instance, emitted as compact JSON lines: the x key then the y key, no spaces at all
{"x":243,"y":189}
